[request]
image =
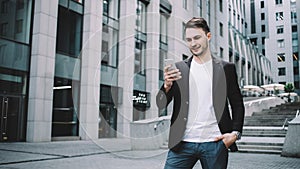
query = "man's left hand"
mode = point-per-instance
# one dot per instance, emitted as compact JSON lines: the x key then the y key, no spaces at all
{"x":227,"y":138}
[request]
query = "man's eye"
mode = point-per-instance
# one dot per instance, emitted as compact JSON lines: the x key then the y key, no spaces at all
{"x":197,"y":37}
{"x":188,"y":40}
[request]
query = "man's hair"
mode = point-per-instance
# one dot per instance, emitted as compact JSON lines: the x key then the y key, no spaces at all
{"x":198,"y":22}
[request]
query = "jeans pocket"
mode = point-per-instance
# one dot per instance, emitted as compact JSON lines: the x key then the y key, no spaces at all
{"x":223,"y":144}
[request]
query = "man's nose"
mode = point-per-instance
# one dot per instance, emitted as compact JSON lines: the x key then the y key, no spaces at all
{"x":193,"y":43}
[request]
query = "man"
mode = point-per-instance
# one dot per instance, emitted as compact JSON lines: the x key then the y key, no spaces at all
{"x":201,"y":86}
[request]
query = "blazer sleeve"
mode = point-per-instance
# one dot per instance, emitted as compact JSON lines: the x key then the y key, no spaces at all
{"x":235,"y":99}
{"x":163,"y":98}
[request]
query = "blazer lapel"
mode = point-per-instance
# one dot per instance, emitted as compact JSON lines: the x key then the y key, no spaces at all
{"x":219,"y":88}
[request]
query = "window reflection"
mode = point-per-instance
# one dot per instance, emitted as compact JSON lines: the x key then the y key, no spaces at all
{"x":15,"y":19}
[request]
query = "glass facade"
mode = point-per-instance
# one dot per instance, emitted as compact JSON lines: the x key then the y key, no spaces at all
{"x":67,"y":71}
{"x":139,"y":83}
{"x":163,"y":49}
{"x":15,"y":25}
{"x":109,"y":69}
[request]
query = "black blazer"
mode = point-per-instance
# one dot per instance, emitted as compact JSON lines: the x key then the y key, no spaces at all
{"x":225,"y":90}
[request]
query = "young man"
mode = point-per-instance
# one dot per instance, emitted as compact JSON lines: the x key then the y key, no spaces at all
{"x":201,"y":86}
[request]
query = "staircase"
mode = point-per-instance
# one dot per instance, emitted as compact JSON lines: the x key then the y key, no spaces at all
{"x":264,"y":132}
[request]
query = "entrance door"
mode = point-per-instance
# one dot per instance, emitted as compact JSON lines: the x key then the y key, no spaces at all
{"x":108,"y":121}
{"x":10,"y":107}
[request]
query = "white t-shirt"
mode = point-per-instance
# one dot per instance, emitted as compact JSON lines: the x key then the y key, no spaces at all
{"x":202,"y":124}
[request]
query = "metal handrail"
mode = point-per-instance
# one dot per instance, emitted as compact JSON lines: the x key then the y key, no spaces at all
{"x":284,"y":123}
{"x":286,"y":119}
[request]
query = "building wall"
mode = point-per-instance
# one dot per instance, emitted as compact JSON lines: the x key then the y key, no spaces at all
{"x":114,"y":77}
{"x":273,"y":50}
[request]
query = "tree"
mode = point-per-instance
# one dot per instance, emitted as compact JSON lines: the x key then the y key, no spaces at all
{"x":288,"y":88}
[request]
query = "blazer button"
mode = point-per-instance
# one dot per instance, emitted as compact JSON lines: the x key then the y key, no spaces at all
{"x":184,"y":119}
{"x":187,"y":102}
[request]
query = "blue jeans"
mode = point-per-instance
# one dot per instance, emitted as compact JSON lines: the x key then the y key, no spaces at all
{"x":212,"y":155}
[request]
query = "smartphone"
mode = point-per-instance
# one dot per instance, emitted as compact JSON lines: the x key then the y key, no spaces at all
{"x":170,"y":62}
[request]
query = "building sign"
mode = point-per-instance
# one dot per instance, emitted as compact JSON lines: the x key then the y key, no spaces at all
{"x":141,"y":99}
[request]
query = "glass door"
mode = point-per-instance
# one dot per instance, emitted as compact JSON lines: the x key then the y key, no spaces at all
{"x":108,"y":121}
{"x":10,"y":111}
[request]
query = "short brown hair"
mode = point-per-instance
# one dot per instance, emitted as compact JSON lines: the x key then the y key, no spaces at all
{"x":198,"y":22}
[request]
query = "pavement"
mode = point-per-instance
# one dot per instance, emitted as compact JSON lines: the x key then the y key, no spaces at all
{"x":114,"y":154}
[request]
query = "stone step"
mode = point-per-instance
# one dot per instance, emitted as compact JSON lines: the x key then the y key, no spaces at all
{"x":260,"y":147}
{"x":270,"y":118}
{"x":279,"y":116}
{"x":259,"y":151}
{"x":264,"y":122}
{"x":255,"y":134}
{"x":274,"y":113}
{"x":265,"y":130}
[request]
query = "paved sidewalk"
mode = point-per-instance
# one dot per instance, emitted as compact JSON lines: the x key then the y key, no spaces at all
{"x":114,"y":154}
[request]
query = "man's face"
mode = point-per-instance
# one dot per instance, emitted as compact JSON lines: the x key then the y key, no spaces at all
{"x":197,"y":40}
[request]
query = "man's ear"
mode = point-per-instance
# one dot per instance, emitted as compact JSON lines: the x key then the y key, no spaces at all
{"x":208,"y":35}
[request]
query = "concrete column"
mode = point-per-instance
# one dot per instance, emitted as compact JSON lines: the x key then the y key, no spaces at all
{"x":152,"y":56}
{"x":126,"y":65}
{"x":42,"y":71}
{"x":90,"y":71}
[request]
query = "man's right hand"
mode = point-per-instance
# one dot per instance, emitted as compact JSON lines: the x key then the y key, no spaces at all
{"x":170,"y":76}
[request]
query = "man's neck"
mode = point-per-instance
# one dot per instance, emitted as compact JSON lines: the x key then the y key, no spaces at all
{"x":203,"y":58}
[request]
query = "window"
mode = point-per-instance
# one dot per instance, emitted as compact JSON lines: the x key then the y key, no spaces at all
{"x":253,"y":20}
{"x":140,"y":57}
{"x":69,"y":32}
{"x":79,"y":1}
{"x":19,"y":26}
{"x":18,"y":21}
{"x":294,"y":28}
{"x":280,"y":29}
{"x":295,"y":40}
{"x":253,"y":41}
{"x":221,"y":5}
{"x":199,"y":7}
{"x":262,"y":4}
{"x":184,"y":4}
{"x":296,"y":70}
{"x":221,"y":29}
{"x":277,"y":2}
{"x":296,"y":84}
{"x":281,"y":71}
{"x":4,"y":7}
{"x":263,"y":28}
{"x":105,"y":7}
{"x":163,"y":28}
{"x":293,"y":17}
{"x":279,"y":16}
{"x":140,"y":41}
{"x":280,"y":43}
{"x":3,"y":29}
{"x":20,"y":4}
{"x":281,"y":57}
{"x":262,"y":16}
{"x":295,"y":56}
{"x":141,"y":17}
{"x":263,"y":40}
{"x":221,"y":52}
